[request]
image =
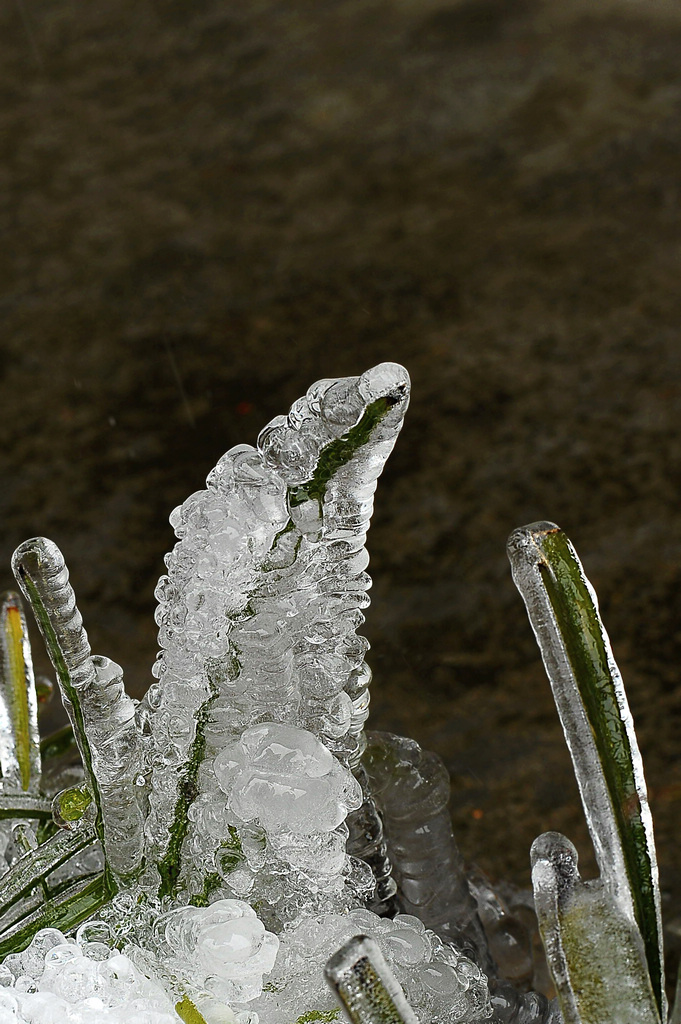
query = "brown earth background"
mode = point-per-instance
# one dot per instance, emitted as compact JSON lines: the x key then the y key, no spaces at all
{"x":207,"y":205}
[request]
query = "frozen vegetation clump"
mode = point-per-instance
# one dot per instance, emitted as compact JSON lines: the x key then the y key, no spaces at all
{"x":234,"y":848}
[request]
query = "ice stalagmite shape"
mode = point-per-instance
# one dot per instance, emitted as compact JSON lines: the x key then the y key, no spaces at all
{"x":598,"y":727}
{"x":257,"y":626}
{"x":101,"y":713}
{"x":412,"y":789}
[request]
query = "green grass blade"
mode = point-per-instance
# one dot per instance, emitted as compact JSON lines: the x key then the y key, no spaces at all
{"x":24,"y":805}
{"x":65,"y":911}
{"x":19,"y":737}
{"x":31,"y":869}
{"x":599,"y":731}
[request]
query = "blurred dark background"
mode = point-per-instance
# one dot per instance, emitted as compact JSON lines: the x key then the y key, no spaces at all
{"x":207,"y":205}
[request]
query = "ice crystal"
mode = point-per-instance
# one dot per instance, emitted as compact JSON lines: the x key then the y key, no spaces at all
{"x":235,"y":838}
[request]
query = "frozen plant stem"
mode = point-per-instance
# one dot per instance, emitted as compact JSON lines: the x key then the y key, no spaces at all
{"x":365,"y":985}
{"x":92,"y":694}
{"x":599,"y":731}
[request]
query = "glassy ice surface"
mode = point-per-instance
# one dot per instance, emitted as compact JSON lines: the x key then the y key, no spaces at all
{"x":227,"y":835}
{"x":596,"y":957}
{"x":262,"y":688}
{"x":604,"y":940}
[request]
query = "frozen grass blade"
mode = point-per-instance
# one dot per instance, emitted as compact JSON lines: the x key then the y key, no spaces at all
{"x":39,"y":567}
{"x":598,"y":726}
{"x":25,"y":805}
{"x":101,"y":713}
{"x":596,"y":957}
{"x":65,"y":911}
{"x":32,"y":868}
{"x":187,"y":1011}
{"x":365,"y":985}
{"x":19,"y":737}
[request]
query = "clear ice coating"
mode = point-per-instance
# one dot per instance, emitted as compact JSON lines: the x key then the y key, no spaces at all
{"x":591,"y":930}
{"x":257,"y":716}
{"x":234,"y":849}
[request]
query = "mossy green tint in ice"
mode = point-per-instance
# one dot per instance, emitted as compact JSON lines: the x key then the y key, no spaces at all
{"x":594,"y":712}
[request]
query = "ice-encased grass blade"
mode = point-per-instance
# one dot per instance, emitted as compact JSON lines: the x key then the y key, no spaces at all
{"x":25,"y":805}
{"x":41,"y":572}
{"x":365,"y":985}
{"x":187,"y":1011}
{"x":33,"y":867}
{"x":19,"y":737}
{"x":592,"y":704}
{"x":596,"y":957}
{"x":64,"y":911}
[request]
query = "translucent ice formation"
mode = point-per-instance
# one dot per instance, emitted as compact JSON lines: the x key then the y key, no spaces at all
{"x":61,"y":981}
{"x":226,"y":945}
{"x":258,"y":617}
{"x":439,"y":982}
{"x":588,"y":929}
{"x":231,"y":839}
{"x":286,"y":779}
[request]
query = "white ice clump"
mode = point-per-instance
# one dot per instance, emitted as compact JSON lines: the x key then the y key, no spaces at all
{"x":287,"y":780}
{"x":61,"y":981}
{"x":257,"y":624}
{"x":224,"y":947}
{"x":440,"y":983}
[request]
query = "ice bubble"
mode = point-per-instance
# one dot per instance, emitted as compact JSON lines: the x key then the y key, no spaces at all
{"x":440,"y":979}
{"x":342,"y":405}
{"x":62,"y":954}
{"x":293,"y":453}
{"x":407,"y":947}
{"x":284,"y":777}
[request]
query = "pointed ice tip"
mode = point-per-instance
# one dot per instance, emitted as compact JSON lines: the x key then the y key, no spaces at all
{"x":387,"y":380}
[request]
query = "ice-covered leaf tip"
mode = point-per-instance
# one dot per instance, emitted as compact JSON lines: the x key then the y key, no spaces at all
{"x":258,"y":619}
{"x":592,"y":704}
